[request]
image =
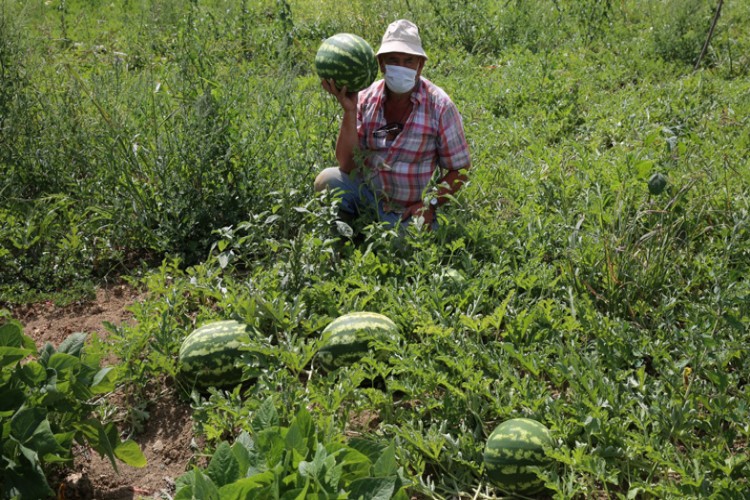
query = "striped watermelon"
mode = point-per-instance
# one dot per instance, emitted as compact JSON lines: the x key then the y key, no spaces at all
{"x":348,"y":60}
{"x":210,"y":355}
{"x":347,"y":338}
{"x":512,"y":449}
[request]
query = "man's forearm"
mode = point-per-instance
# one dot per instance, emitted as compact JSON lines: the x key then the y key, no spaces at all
{"x":347,"y":142}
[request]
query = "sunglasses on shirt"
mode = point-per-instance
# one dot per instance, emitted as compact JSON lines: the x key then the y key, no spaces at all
{"x":389,"y":131}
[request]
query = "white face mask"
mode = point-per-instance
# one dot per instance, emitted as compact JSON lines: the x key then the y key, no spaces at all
{"x":400,"y":79}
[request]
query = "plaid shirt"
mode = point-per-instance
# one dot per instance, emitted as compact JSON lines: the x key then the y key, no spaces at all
{"x":433,"y":136}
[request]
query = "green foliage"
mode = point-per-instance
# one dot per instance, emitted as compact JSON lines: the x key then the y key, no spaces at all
{"x":275,"y":461}
{"x":681,"y":32}
{"x":46,"y":408}
{"x":558,"y":286}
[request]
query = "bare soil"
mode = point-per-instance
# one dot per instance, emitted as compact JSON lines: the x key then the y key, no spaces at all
{"x":167,"y":436}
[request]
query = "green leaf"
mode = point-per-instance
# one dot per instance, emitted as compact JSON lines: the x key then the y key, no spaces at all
{"x":62,"y":363}
{"x":386,"y":464}
{"x":355,"y":464}
{"x":130,"y":453}
{"x":73,"y":344}
{"x":98,"y":438}
{"x":223,"y":467}
{"x":368,"y":447}
{"x":43,"y":441}
{"x":11,"y":355}
{"x":373,"y":488}
{"x":26,"y":481}
{"x":11,"y":335}
{"x":104,"y":380}
{"x":643,"y":169}
{"x":242,"y":448}
{"x":265,"y":417}
{"x":249,"y":487}
{"x":197,"y":486}
{"x":295,"y":442}
{"x":34,"y":373}
{"x":10,"y":401}
{"x":25,"y":422}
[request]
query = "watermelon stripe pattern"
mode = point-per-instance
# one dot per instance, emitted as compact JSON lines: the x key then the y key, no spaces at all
{"x":348,"y":337}
{"x":209,"y":355}
{"x":347,"y":59}
{"x":513,"y":448}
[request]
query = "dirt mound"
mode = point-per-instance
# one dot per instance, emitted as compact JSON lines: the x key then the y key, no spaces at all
{"x":167,"y":435}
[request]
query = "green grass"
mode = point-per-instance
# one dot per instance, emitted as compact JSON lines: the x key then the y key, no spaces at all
{"x":178,"y":141}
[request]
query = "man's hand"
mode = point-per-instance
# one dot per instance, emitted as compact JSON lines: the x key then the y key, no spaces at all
{"x":419,"y":209}
{"x":348,"y":100}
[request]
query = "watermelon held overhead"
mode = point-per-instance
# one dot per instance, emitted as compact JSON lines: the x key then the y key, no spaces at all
{"x":512,"y":452}
{"x":212,"y":355}
{"x":347,"y":59}
{"x":348,"y":338}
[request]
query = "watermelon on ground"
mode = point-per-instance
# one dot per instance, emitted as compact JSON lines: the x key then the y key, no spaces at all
{"x":347,"y":59}
{"x":347,"y":338}
{"x":657,"y":183}
{"x":211,"y":356}
{"x":512,"y":450}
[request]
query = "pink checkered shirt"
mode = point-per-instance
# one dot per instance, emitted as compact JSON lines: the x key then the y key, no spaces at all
{"x":433,"y":136}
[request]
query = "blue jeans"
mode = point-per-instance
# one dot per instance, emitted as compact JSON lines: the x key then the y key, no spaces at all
{"x":357,"y":196}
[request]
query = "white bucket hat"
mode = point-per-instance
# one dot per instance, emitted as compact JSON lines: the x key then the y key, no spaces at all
{"x":402,"y":36}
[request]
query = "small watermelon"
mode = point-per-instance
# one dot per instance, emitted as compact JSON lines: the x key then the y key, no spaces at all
{"x":657,"y":183}
{"x":348,"y":60}
{"x":513,"y":447}
{"x":347,"y":338}
{"x":211,"y":355}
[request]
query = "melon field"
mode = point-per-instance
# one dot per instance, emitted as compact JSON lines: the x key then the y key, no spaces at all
{"x":591,"y":276}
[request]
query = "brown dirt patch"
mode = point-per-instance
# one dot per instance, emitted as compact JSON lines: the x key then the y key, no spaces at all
{"x":167,"y":435}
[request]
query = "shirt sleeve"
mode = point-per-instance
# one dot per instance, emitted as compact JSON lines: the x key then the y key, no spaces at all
{"x":453,"y":150}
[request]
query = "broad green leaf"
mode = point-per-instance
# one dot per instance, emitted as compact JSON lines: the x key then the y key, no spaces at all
{"x":11,"y":335}
{"x":386,"y":463}
{"x":45,"y":353}
{"x":265,"y":416}
{"x":34,"y":373}
{"x":373,"y":488}
{"x":296,"y":442}
{"x":186,"y":480}
{"x":368,"y":447}
{"x":28,"y":481}
{"x":130,"y":453}
{"x":43,"y":441}
{"x":303,"y":420}
{"x":643,"y":169}
{"x":25,"y":422}
{"x":73,"y":344}
{"x":11,"y":355}
{"x":104,"y":380}
{"x":242,"y":453}
{"x":270,"y":446}
{"x":354,"y":464}
{"x":223,"y":467}
{"x":197,"y":486}
{"x":246,"y":488}
{"x":65,"y":365}
{"x":98,"y":438}
{"x":10,"y":401}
